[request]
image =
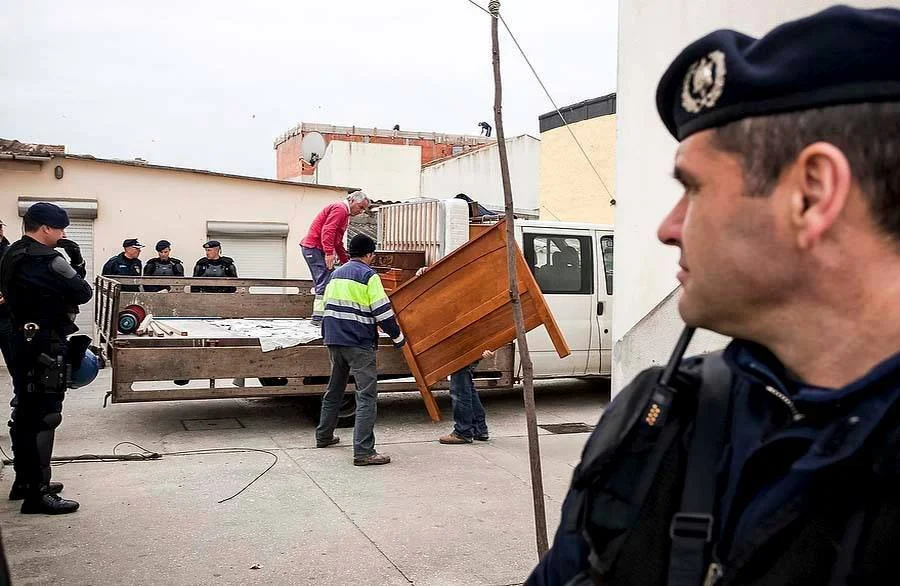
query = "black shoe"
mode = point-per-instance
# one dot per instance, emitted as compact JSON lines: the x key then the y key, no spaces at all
{"x":48,"y":504}
{"x":17,"y":492}
{"x":482,"y":438}
{"x":327,"y":443}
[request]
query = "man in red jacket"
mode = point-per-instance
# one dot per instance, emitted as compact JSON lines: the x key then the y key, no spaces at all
{"x":325,"y":241}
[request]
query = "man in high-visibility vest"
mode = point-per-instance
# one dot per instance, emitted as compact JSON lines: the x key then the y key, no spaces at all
{"x":355,"y":307}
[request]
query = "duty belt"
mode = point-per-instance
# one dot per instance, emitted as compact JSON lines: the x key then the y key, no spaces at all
{"x":30,"y":329}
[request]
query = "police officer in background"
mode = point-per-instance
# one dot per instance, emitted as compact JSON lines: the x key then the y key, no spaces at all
{"x":43,"y":292}
{"x":164,"y":265}
{"x":214,"y":265}
{"x":777,"y":461}
{"x":126,"y":263}
{"x":4,"y":311}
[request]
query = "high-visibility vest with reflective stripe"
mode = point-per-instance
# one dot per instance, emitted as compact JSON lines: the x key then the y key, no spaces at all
{"x":355,"y":304}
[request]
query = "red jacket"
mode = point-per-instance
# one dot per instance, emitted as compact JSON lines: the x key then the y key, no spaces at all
{"x":327,"y":230}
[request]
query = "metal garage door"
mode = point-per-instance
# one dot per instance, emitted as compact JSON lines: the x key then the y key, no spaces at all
{"x":256,"y":257}
{"x":82,"y":232}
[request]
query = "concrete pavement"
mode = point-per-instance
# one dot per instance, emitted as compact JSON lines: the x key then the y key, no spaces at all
{"x":437,"y":515}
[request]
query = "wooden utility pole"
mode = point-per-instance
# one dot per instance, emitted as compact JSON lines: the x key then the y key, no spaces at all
{"x":534,"y":448}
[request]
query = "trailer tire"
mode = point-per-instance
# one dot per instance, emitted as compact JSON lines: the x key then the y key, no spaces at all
{"x":273,"y":381}
{"x":346,"y":414}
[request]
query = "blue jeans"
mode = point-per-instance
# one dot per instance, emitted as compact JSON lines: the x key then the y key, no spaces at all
{"x":468,"y":413}
{"x":360,"y":362}
{"x":315,"y":260}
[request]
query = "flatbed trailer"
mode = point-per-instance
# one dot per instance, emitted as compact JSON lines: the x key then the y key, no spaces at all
{"x":145,"y":368}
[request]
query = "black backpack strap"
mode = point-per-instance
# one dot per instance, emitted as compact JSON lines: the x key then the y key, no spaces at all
{"x":692,"y":529}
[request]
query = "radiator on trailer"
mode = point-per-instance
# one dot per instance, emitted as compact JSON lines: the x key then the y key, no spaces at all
{"x":436,"y":227}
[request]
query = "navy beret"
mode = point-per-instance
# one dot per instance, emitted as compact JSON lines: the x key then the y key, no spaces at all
{"x":48,"y":214}
{"x":212,"y":244}
{"x":361,"y":245}
{"x":841,"y":55}
{"x":162,"y":245}
{"x":129,"y":242}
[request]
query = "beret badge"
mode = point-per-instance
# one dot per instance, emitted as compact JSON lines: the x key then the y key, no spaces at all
{"x":703,"y":83}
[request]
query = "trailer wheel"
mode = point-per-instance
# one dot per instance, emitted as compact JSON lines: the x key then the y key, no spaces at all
{"x":346,"y":414}
{"x":273,"y":381}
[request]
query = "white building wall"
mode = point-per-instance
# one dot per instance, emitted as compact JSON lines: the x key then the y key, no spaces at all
{"x":151,"y":204}
{"x":651,"y":34}
{"x":477,"y":174}
{"x":383,"y":171}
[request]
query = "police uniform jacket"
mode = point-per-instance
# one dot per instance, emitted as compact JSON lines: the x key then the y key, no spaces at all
{"x":159,"y":268}
{"x":221,"y":267}
{"x":4,"y":308}
{"x":808,"y":485}
{"x":40,"y":286}
{"x":120,"y":265}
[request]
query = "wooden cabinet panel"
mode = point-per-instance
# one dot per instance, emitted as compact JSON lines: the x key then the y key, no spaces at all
{"x":461,"y":307}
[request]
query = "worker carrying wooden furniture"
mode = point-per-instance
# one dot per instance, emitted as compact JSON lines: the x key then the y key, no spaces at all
{"x":355,"y":307}
{"x":469,"y":421}
{"x":325,"y":241}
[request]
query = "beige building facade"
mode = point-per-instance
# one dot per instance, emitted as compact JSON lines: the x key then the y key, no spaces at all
{"x":259,"y":221}
{"x":569,"y":188}
{"x":646,"y":318}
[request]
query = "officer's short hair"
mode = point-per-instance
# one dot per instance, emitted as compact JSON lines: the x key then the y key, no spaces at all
{"x":29,"y":225}
{"x":866,"y":133}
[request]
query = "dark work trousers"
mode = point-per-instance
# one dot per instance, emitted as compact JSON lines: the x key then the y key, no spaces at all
{"x":468,"y":413}
{"x":5,"y":333}
{"x":5,"y":349}
{"x":360,"y":362}
{"x":315,"y":260}
{"x":36,"y":410}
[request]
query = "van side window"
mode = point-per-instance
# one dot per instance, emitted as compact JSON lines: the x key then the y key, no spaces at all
{"x":606,"y":248}
{"x":560,"y":263}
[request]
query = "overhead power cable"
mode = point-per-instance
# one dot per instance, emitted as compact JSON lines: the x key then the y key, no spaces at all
{"x":612,"y":200}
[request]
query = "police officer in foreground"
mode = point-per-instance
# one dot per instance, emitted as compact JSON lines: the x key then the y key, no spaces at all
{"x":43,"y":292}
{"x":126,"y":263}
{"x":214,"y":265}
{"x":775,"y":462}
{"x":164,"y":265}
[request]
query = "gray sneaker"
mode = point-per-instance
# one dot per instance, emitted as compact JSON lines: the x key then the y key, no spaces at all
{"x":373,"y":460}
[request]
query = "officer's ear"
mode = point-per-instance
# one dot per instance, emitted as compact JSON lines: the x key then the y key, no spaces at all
{"x":822,"y":181}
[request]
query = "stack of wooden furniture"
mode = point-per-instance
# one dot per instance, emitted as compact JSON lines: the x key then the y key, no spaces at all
{"x":397,"y":267}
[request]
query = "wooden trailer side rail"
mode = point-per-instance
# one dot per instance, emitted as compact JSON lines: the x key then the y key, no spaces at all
{"x":299,"y":370}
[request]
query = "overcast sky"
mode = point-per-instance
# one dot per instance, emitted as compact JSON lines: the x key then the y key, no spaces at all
{"x":211,"y":84}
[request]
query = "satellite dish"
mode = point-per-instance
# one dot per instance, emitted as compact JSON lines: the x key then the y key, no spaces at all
{"x":312,"y":148}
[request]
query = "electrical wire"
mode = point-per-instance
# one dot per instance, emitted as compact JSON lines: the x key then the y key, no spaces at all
{"x":146,"y":452}
{"x":612,"y":200}
{"x":146,"y":455}
{"x":480,"y":7}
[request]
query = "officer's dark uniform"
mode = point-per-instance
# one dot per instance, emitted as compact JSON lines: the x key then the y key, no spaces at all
{"x":801,"y":485}
{"x":4,"y":318}
{"x":156,"y":267}
{"x":221,"y":267}
{"x":43,"y":292}
{"x":122,"y":266}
